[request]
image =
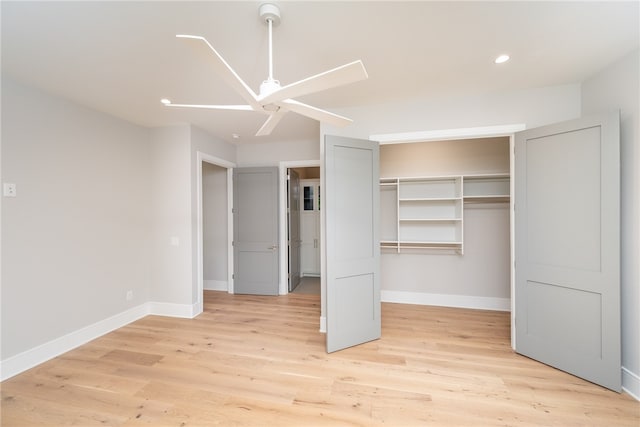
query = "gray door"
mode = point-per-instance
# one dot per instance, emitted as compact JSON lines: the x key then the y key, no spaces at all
{"x":293,"y":221}
{"x":352,"y":209}
{"x":255,"y":231}
{"x":567,"y":210}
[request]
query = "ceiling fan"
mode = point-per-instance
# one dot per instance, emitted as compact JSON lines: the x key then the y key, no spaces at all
{"x":275,"y":100}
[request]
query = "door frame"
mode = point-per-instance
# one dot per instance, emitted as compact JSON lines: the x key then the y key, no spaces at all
{"x":202,"y":158}
{"x":506,"y":130}
{"x":282,"y":168}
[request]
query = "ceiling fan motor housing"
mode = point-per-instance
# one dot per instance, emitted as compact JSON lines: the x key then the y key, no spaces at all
{"x":269,"y":86}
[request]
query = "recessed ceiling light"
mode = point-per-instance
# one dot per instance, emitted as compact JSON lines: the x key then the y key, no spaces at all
{"x":501,"y":59}
{"x":235,"y":136}
{"x":165,"y":101}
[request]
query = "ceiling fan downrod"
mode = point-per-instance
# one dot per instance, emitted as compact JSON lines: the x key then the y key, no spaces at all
{"x":270,"y":13}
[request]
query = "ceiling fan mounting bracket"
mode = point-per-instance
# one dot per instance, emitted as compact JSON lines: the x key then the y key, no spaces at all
{"x":269,"y":11}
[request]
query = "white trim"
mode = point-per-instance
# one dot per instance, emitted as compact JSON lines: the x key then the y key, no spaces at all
{"x":446,"y":134}
{"x":47,"y":351}
{"x":631,"y":383}
{"x":459,"y":301}
{"x":186,"y":311}
{"x":204,"y":157}
{"x":512,"y":235}
{"x":230,"y":280}
{"x":323,"y":324}
{"x":37,"y":355}
{"x":216,"y":285}
{"x":283,"y":287}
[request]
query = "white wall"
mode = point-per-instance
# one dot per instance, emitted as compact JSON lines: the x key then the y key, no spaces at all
{"x":616,"y":87}
{"x":271,"y":154}
{"x":533,"y":107}
{"x":214,"y":207}
{"x":77,"y":236}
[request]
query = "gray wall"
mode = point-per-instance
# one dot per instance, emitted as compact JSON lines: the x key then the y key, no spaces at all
{"x":77,"y":236}
{"x":617,"y":88}
{"x":214,"y":241}
{"x":104,"y":207}
{"x":171,"y":216}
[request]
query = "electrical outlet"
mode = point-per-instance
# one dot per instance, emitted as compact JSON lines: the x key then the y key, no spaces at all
{"x":9,"y":189}
{"x":129,"y":295}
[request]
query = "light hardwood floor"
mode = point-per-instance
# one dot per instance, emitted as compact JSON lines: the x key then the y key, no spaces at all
{"x":261,"y":361}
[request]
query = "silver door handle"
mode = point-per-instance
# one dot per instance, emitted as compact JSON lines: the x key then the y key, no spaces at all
{"x":274,"y":247}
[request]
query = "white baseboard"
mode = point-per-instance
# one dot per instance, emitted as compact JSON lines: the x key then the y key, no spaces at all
{"x":215,"y":285}
{"x":187,"y":311}
{"x":40,"y":354}
{"x":37,"y":355}
{"x":323,"y":324}
{"x":460,"y":301}
{"x":631,"y":383}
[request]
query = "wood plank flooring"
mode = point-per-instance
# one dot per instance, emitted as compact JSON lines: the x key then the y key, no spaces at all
{"x":261,"y":361}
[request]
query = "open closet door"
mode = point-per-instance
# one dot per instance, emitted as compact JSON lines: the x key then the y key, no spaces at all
{"x":567,"y":247}
{"x":352,"y":209}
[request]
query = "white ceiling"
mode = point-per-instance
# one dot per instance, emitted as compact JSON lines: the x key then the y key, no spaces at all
{"x":123,"y":57}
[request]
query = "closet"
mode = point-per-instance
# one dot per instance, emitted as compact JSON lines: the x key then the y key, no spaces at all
{"x":445,"y":221}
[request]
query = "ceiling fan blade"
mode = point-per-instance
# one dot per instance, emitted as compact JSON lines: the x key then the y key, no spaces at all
{"x":315,"y":113}
{"x":224,"y":70}
{"x":213,"y":107}
{"x":270,"y":124}
{"x":339,"y":76}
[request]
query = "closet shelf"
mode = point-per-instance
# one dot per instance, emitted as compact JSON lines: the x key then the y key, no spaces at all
{"x":487,"y":199}
{"x":428,"y":212}
{"x":430,"y":219}
{"x":430,"y":199}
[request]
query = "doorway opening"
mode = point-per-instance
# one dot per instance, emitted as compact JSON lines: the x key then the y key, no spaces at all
{"x":300,"y":236}
{"x":214,"y":225}
{"x":304,"y":230}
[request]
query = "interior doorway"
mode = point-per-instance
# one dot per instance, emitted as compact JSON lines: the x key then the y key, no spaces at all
{"x":304,"y":201}
{"x":214,"y":227}
{"x":214,"y":233}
